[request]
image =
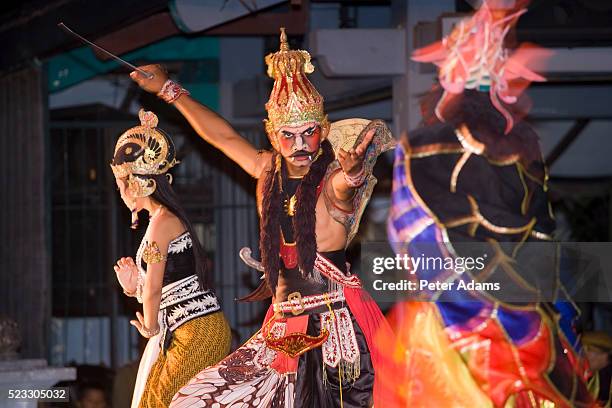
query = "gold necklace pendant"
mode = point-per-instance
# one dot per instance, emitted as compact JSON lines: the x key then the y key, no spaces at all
{"x":290,"y":205}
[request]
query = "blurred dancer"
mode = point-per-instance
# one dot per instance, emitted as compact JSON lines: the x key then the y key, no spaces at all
{"x":474,"y":173}
{"x":181,"y":315}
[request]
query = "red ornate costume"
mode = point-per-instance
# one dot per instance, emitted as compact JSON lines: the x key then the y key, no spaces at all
{"x":315,"y":348}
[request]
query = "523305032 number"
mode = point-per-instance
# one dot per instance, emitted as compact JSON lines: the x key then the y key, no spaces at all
{"x":55,"y":394}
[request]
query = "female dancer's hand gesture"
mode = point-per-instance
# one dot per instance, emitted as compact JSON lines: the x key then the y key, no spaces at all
{"x":140,"y":325}
{"x":127,"y":275}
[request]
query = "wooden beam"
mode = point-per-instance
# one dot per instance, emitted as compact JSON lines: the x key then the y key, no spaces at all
{"x":161,"y":25}
{"x":567,"y":140}
{"x":39,"y":37}
{"x":142,"y":33}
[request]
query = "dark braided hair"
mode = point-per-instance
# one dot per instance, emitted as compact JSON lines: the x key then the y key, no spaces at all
{"x":303,"y":221}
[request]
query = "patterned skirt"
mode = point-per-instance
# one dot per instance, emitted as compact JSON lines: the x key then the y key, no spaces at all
{"x":198,"y":343}
{"x":337,"y":373}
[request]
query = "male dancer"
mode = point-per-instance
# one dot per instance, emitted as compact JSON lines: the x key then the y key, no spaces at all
{"x":313,"y":350}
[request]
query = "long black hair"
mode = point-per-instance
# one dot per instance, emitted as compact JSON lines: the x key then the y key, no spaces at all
{"x":166,"y":196}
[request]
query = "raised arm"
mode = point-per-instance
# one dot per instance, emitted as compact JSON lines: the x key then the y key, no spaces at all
{"x":209,"y":125}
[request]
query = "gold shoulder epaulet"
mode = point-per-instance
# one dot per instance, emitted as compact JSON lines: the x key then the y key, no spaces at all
{"x":152,"y":254}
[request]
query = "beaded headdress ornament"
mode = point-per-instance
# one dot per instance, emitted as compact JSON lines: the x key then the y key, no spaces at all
{"x":148,"y":151}
{"x":473,"y":56}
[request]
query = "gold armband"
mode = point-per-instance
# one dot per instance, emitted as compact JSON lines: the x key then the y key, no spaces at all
{"x":152,"y":254}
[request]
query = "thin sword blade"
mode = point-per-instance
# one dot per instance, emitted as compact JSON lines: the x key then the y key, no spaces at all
{"x":110,"y":54}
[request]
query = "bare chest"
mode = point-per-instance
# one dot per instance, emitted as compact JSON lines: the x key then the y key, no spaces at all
{"x":330,"y":234}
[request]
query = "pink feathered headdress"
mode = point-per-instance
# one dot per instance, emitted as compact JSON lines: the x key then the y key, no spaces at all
{"x":473,"y":57}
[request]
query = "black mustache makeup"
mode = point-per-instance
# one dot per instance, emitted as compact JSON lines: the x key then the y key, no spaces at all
{"x":301,"y":153}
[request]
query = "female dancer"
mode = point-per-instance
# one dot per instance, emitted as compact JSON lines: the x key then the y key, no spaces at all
{"x":181,"y":315}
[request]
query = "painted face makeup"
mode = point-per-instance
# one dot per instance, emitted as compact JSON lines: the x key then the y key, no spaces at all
{"x":125,"y":196}
{"x":299,"y":144}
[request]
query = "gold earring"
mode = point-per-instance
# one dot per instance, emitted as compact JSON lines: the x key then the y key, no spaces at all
{"x":134,"y":224}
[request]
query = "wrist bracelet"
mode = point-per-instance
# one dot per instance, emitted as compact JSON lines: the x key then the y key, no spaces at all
{"x":171,"y":91}
{"x":130,"y":294}
{"x":356,"y":180}
{"x":149,"y":333}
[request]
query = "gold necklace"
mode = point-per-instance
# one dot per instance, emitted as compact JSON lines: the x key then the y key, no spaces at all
{"x":289,"y":205}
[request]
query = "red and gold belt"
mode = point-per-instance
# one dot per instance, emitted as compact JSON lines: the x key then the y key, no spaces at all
{"x":296,"y":304}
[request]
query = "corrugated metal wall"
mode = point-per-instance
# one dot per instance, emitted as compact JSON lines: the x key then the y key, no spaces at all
{"x":24,"y":208}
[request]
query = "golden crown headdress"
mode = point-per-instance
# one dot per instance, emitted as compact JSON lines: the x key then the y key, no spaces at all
{"x":146,"y":151}
{"x":293,"y":101}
